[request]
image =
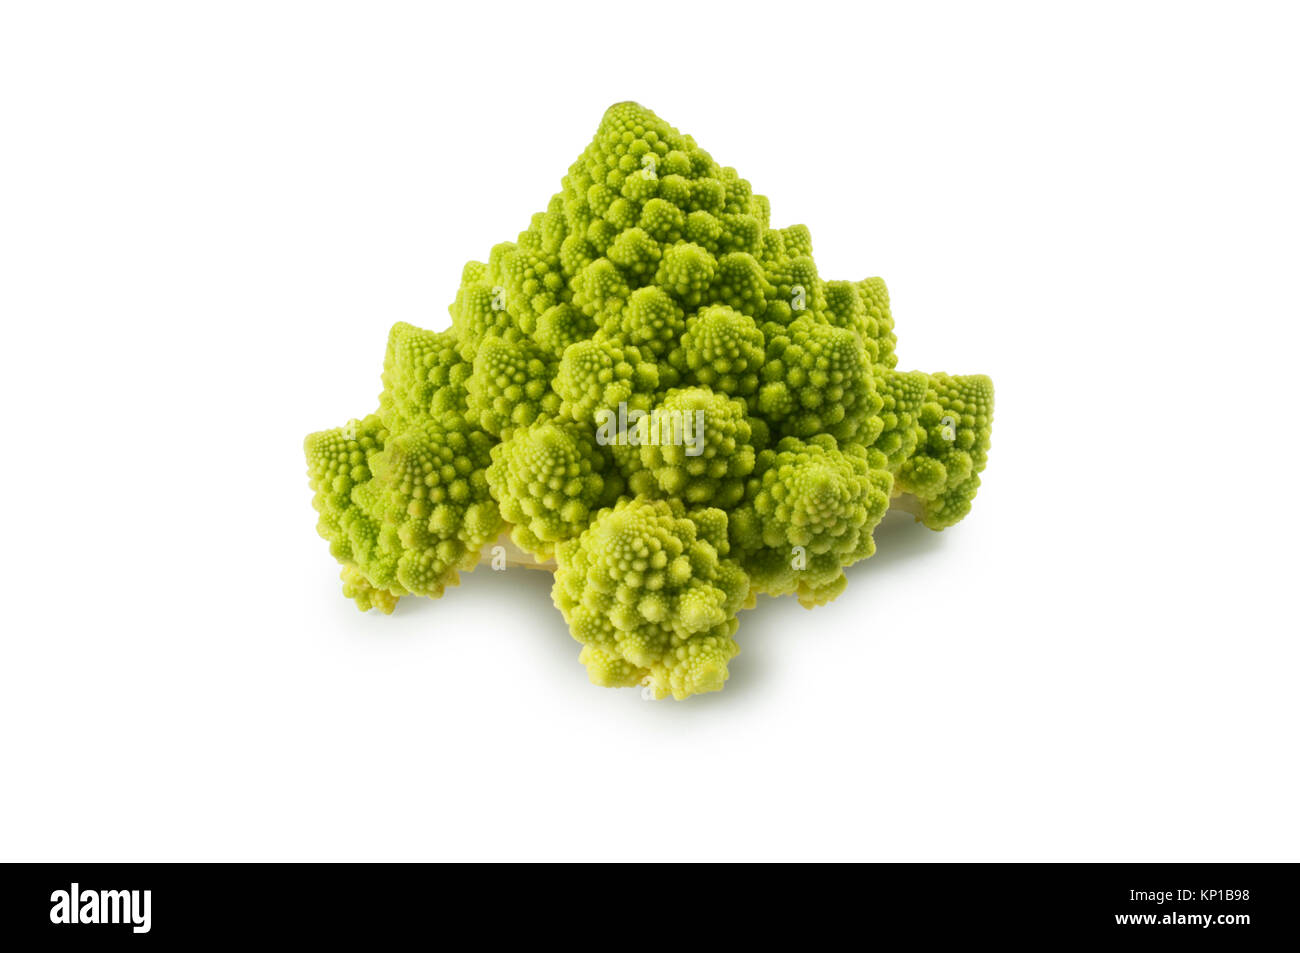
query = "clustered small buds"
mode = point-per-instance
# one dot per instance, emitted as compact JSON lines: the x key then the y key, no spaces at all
{"x":653,"y":394}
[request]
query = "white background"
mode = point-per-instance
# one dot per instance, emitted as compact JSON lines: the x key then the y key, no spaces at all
{"x":210,"y":214}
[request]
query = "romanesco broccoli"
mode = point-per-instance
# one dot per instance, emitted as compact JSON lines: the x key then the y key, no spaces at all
{"x":655,"y":394}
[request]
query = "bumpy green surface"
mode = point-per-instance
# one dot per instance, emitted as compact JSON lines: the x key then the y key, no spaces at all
{"x":549,"y":480}
{"x":954,"y":427}
{"x":652,"y":283}
{"x":820,"y":496}
{"x":650,"y":594}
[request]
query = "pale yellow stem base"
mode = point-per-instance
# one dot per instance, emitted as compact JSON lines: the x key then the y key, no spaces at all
{"x":514,"y":556}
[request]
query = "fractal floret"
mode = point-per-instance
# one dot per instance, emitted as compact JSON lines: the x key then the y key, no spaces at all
{"x":653,"y":394}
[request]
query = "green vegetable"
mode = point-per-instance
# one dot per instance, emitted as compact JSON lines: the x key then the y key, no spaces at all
{"x":654,"y":394}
